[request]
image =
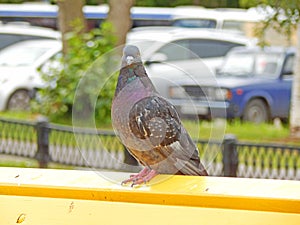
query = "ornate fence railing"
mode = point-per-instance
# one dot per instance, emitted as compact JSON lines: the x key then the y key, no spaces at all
{"x":102,"y":150}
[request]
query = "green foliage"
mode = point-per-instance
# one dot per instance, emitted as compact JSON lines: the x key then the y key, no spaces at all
{"x":57,"y":98}
{"x":162,"y":3}
{"x":96,"y":2}
{"x":11,"y":1}
{"x":283,"y":17}
{"x":248,"y":3}
{"x":205,"y":3}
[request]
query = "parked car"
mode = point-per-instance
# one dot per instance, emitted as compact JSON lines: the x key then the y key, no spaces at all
{"x":238,"y":20}
{"x":167,"y":54}
{"x":173,"y":53}
{"x":12,"y":33}
{"x":253,"y":84}
{"x":228,"y":19}
{"x":19,"y":65}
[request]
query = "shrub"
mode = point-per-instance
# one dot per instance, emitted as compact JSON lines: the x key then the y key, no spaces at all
{"x":57,"y":98}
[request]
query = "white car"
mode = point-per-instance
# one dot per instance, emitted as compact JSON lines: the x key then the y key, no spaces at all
{"x":19,"y":75}
{"x":238,"y":20}
{"x":12,"y":33}
{"x":173,"y":54}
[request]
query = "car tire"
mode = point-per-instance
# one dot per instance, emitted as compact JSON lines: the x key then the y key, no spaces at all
{"x":19,"y":100}
{"x":256,"y":111}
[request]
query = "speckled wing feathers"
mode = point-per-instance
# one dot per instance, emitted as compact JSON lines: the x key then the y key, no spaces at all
{"x":156,"y":119}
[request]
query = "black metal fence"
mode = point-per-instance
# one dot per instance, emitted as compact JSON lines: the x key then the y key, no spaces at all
{"x":99,"y":149}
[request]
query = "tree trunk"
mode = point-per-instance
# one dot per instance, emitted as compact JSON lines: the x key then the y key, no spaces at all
{"x":70,"y":18}
{"x":119,"y":16}
{"x":196,"y":2}
{"x":295,"y":101}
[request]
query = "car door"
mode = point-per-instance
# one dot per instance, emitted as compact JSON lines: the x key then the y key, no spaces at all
{"x":189,"y":53}
{"x":188,"y":58}
{"x":283,"y":99}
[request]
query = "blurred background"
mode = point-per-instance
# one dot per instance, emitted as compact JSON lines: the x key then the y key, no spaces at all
{"x":229,"y":67}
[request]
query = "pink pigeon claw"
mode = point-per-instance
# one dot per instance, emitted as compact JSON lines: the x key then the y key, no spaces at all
{"x":145,"y":175}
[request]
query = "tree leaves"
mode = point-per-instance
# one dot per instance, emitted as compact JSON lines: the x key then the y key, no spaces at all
{"x":56,"y":100}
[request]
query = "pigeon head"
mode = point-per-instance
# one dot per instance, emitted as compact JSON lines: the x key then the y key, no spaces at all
{"x":131,"y":55}
{"x":132,"y":69}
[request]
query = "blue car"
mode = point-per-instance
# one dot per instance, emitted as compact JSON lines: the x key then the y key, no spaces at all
{"x":253,"y":84}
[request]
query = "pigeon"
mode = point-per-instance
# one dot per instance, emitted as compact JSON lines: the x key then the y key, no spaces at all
{"x":149,"y":126}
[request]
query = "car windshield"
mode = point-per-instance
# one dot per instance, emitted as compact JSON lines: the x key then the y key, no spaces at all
{"x":251,"y":64}
{"x":24,"y":56}
{"x":195,"y":23}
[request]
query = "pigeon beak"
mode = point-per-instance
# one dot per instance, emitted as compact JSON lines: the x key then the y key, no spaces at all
{"x":129,"y":59}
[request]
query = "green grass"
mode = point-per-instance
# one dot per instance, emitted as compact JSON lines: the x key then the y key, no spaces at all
{"x":242,"y":130}
{"x":200,"y":129}
{"x":16,"y":161}
{"x":19,"y":115}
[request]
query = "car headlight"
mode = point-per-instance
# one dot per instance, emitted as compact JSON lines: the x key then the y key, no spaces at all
{"x":222,"y":94}
{"x":200,"y":93}
{"x":177,"y":92}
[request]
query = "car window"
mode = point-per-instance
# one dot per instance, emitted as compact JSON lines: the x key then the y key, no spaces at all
{"x":177,"y":50}
{"x":195,"y":23}
{"x":251,"y":63}
{"x":9,"y":39}
{"x":244,"y":66}
{"x":267,"y":64}
{"x":192,"y":48}
{"x":288,"y":68}
{"x":206,"y":48}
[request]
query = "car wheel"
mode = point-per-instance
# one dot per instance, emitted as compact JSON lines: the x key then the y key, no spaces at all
{"x":19,"y":100}
{"x":256,"y":111}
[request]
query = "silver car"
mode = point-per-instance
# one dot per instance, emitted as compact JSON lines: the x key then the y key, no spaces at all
{"x":174,"y":54}
{"x":12,"y":33}
{"x":19,"y":75}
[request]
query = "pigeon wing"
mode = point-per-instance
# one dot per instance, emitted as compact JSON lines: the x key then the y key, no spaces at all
{"x":156,"y":119}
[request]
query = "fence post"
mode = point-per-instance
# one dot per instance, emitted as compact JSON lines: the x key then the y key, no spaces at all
{"x":230,"y":156}
{"x":42,"y":130}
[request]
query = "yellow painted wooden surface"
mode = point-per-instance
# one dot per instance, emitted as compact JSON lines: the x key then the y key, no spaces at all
{"x":50,"y":211}
{"x":47,"y":196}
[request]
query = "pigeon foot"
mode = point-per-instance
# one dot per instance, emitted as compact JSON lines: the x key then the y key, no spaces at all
{"x":143,"y":176}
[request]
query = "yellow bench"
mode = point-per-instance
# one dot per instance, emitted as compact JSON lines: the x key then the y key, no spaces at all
{"x":53,"y":197}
